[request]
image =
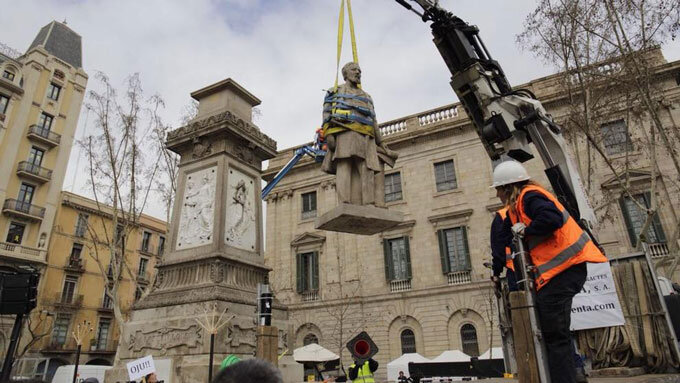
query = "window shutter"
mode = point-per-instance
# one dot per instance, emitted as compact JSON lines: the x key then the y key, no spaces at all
{"x":629,"y":224}
{"x":656,"y":221}
{"x":465,"y":256}
{"x":407,"y":254}
{"x":389,"y":269}
{"x":300,"y":274}
{"x":315,"y":271}
{"x":443,"y":253}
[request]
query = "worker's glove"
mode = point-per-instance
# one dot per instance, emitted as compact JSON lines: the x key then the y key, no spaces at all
{"x":518,"y":229}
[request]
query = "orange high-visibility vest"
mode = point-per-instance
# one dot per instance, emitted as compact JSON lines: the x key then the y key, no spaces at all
{"x":567,"y":246}
{"x":508,"y":252}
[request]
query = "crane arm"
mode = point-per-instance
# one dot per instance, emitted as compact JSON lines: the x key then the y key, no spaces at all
{"x":507,"y":120}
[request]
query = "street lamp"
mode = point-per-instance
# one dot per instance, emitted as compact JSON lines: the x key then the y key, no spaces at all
{"x":79,"y":334}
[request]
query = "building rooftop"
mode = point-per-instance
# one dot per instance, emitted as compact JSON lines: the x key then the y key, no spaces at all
{"x":60,"y":41}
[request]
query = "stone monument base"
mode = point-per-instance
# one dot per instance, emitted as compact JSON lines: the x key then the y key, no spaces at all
{"x":357,"y":219}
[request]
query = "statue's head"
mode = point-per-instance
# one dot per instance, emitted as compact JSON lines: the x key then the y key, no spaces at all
{"x":351,"y":72}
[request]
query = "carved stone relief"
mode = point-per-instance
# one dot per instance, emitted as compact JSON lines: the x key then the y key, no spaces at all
{"x":241,"y":336}
{"x":202,"y":147}
{"x":166,"y":338}
{"x":198,"y":205}
{"x":283,"y":340}
{"x":240,"y":228}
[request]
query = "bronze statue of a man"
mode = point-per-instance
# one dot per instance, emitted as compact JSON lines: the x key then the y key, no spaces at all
{"x":356,"y":153}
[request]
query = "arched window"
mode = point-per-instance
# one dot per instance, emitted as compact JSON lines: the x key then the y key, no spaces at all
{"x":309,"y":339}
{"x":468,"y":337}
{"x":408,"y":341}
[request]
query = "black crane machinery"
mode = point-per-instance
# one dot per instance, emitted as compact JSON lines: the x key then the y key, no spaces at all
{"x":507,"y":120}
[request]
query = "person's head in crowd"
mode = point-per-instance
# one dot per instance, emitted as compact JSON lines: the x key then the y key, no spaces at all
{"x":91,"y":380}
{"x":249,"y":371}
{"x":151,"y":378}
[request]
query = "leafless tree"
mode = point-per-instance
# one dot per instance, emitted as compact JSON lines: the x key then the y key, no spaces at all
{"x":605,"y":50}
{"x":38,"y":325}
{"x":122,"y":166}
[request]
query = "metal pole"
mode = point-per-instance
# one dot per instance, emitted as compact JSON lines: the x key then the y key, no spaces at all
{"x":212,"y":354}
{"x":75,"y":370}
{"x":14,"y":340}
{"x":523,"y":261}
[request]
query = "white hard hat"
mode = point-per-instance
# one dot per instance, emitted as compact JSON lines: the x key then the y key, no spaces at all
{"x":509,"y":172}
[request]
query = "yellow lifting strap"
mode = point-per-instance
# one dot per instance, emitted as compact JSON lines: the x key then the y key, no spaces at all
{"x":341,"y":27}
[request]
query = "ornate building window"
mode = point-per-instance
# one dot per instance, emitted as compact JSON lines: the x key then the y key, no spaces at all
{"x":445,"y":175}
{"x":76,"y":252}
{"x":615,"y":137}
{"x":454,"y":250}
{"x":397,"y":259}
{"x":309,"y":205}
{"x":408,"y":341}
{"x":45,"y":122}
{"x":468,"y":338}
{"x":309,"y":339}
{"x":103,"y":333}
{"x":393,"y":187}
{"x":146,"y":239}
{"x":60,"y":329}
{"x":307,"y":272}
{"x":8,"y":75}
{"x":161,"y":245}
{"x":4,"y":102}
{"x":141,"y":272}
{"x":81,"y":225}
{"x":53,"y":91}
{"x":69,"y":289}
{"x":15,"y":234}
{"x":635,"y":219}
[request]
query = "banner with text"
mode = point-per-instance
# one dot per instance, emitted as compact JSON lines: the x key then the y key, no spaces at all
{"x":141,"y":367}
{"x":597,"y":305}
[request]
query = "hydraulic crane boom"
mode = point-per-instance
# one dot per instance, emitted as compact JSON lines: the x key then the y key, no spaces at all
{"x":506,"y":120}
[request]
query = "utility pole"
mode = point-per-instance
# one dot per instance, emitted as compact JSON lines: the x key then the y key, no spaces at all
{"x":14,"y":340}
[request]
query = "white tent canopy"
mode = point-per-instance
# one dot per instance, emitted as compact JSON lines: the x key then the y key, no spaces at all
{"x":497,"y":353}
{"x":313,"y":353}
{"x":452,"y":356}
{"x":401,"y":364}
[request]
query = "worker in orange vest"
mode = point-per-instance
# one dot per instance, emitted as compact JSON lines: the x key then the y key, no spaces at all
{"x":558,"y":249}
{"x":501,"y":251}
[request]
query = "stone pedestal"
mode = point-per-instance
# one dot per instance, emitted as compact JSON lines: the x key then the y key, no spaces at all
{"x":215,"y":257}
{"x":356,"y":219}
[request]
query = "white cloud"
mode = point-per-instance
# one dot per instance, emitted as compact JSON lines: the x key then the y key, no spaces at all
{"x":283,"y":51}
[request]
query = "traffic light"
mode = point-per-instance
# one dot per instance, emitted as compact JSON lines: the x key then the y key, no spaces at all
{"x":18,"y":293}
{"x":264,"y":305}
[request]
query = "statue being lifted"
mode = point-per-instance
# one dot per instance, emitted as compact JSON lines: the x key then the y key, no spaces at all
{"x":356,"y":152}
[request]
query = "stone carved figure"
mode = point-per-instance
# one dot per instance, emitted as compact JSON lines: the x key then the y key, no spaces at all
{"x":354,"y":141}
{"x":241,"y":334}
{"x":196,"y":221}
{"x":165,"y":338}
{"x":240,"y":227}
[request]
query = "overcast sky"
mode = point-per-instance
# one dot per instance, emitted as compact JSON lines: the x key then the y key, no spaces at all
{"x":283,"y":51}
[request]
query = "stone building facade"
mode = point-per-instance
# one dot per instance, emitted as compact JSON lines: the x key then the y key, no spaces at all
{"x":422,"y":286}
{"x":72,"y":289}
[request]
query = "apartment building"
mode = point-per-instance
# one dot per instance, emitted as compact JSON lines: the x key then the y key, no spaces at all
{"x":73,"y":284}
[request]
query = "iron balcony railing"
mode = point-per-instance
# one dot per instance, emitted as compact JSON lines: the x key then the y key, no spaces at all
{"x":44,"y":133}
{"x":459,"y":277}
{"x":400,"y":285}
{"x":25,"y":166}
{"x":23,"y":207}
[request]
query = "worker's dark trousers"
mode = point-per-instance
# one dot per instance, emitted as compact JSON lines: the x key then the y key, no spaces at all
{"x":554,"y":311}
